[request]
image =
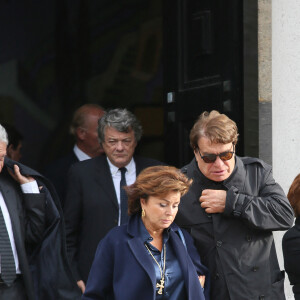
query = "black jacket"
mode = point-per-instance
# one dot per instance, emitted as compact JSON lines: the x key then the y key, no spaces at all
{"x":57,"y":173}
{"x":91,"y":209}
{"x":51,"y":276}
{"x":237,"y":246}
{"x":291,"y":255}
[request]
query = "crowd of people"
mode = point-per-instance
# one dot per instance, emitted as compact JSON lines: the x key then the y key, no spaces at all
{"x":104,"y":223}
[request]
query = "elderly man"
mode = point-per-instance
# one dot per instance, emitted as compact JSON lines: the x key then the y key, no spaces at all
{"x":22,"y":220}
{"x":231,"y":210}
{"x":33,"y":261}
{"x":83,"y":127}
{"x":95,"y":201}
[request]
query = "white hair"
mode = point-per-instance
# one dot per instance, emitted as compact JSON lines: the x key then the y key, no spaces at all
{"x":3,"y":135}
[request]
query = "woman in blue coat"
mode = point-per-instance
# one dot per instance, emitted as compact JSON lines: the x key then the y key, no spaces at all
{"x":149,"y":258}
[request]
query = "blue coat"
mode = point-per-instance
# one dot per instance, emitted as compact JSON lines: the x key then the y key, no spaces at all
{"x":122,"y":269}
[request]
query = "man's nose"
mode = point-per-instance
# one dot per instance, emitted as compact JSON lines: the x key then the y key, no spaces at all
{"x":119,"y":146}
{"x":219,"y":161}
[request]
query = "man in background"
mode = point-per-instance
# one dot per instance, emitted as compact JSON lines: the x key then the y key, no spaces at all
{"x":84,"y":129}
{"x":95,"y":201}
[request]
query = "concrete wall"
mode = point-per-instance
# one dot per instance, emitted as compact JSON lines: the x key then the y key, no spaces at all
{"x":285,"y":94}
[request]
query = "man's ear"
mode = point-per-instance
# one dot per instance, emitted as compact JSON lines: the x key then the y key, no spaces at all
{"x":9,"y":151}
{"x":195,"y":153}
{"x":81,"y":133}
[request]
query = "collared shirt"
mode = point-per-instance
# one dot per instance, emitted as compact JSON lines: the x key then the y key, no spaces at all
{"x":130,"y":177}
{"x":80,"y":154}
{"x":174,"y":287}
{"x":30,"y":187}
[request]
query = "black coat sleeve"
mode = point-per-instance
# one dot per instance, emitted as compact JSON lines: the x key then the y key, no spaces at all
{"x":34,"y":206}
{"x":266,"y":207}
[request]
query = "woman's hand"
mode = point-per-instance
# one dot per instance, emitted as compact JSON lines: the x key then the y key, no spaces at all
{"x":202,"y":280}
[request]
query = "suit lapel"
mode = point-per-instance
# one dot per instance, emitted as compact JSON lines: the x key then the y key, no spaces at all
{"x":103,"y":178}
{"x":138,"y":165}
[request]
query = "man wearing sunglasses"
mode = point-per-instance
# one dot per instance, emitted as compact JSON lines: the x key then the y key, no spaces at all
{"x":231,"y":210}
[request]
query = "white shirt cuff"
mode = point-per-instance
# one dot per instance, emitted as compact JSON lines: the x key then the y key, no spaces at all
{"x":30,"y":187}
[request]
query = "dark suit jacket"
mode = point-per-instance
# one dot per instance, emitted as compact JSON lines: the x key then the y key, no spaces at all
{"x":123,"y":270}
{"x":291,"y":255}
{"x":27,"y":214}
{"x":91,"y":209}
{"x":44,"y":264}
{"x":57,"y":173}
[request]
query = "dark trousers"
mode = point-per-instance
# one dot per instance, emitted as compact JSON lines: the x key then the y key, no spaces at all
{"x":13,"y":292}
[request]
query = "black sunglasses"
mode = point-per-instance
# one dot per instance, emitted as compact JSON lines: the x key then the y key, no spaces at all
{"x":211,"y":158}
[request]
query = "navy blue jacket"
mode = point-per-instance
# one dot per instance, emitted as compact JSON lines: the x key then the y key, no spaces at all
{"x":123,"y":270}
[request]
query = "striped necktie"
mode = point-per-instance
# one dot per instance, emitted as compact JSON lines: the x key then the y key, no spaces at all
{"x":7,"y":262}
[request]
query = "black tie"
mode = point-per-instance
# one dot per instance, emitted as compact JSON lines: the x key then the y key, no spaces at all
{"x":8,"y":267}
{"x":123,"y":197}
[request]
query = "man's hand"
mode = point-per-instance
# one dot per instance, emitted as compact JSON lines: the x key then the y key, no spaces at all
{"x":81,"y":285}
{"x":213,"y":201}
{"x":16,"y":175}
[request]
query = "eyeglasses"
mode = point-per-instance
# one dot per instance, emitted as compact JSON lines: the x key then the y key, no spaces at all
{"x":211,"y":158}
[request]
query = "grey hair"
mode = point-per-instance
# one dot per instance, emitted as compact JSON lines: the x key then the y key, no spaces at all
{"x":3,"y":135}
{"x":121,"y":120}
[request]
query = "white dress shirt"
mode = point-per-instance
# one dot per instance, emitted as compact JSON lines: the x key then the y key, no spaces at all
{"x":29,"y":187}
{"x":80,"y":154}
{"x":130,"y":177}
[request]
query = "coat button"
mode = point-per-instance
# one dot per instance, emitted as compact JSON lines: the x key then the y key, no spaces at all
{"x":249,"y":238}
{"x":217,"y":276}
{"x":255,"y":269}
{"x":262,"y":297}
{"x":219,"y":243}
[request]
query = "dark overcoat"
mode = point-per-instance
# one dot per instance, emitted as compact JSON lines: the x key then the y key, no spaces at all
{"x":291,"y":255}
{"x":123,"y":270}
{"x":46,"y":272}
{"x":237,"y":245}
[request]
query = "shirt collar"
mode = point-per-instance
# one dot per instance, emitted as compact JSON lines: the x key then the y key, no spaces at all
{"x":146,"y":237}
{"x":80,"y":154}
{"x":113,"y":169}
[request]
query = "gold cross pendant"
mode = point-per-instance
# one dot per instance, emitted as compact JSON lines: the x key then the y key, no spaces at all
{"x":160,"y":286}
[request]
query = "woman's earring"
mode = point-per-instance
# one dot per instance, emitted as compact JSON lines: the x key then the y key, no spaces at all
{"x":143,"y":213}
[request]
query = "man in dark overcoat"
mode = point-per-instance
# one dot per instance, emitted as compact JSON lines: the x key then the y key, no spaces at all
{"x":231,"y":210}
{"x":33,"y":261}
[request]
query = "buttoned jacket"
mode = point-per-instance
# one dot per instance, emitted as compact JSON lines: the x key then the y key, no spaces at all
{"x":237,"y":245}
